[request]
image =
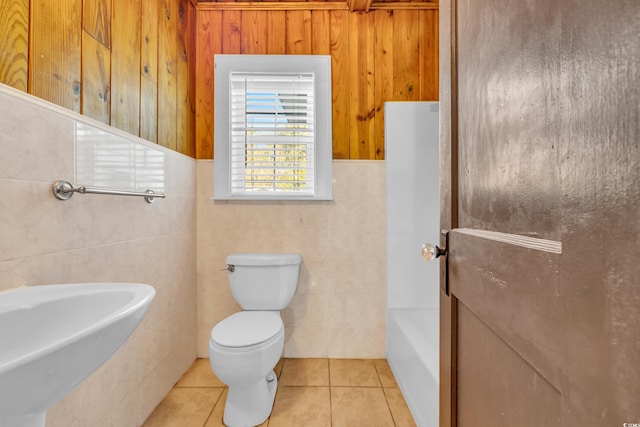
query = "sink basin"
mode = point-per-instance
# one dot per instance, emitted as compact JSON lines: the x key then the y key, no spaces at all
{"x":53,"y":337}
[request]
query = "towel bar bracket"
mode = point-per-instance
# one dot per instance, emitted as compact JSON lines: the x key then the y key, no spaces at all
{"x":63,"y":190}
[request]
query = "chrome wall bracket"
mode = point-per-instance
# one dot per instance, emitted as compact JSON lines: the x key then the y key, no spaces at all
{"x":62,"y":190}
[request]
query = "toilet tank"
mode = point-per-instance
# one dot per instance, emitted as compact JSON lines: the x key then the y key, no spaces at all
{"x":263,"y":281}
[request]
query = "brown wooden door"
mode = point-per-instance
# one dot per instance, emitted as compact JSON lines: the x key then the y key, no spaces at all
{"x":540,"y":187}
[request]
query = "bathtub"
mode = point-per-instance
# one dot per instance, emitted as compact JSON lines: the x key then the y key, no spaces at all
{"x":413,"y":216}
{"x":412,"y":351}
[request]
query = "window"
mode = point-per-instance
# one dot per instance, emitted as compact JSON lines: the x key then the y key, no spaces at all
{"x":272,"y":127}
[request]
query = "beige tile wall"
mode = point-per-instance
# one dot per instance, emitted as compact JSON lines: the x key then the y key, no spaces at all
{"x":94,"y":238}
{"x":338,"y":310}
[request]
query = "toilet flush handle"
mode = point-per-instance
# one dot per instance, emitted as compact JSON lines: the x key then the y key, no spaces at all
{"x":230,"y":267}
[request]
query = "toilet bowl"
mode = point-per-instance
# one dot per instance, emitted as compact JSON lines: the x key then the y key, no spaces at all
{"x":246,"y":346}
{"x":243,"y":350}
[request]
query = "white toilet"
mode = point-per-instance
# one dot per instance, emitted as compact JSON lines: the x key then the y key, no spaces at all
{"x":246,"y":346}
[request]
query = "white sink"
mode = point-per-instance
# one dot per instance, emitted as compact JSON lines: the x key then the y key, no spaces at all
{"x":53,"y":337}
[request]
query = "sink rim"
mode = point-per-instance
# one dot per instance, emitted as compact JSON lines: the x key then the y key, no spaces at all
{"x":32,"y":296}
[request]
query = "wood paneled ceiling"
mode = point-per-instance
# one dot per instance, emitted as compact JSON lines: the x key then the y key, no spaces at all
{"x":352,"y":5}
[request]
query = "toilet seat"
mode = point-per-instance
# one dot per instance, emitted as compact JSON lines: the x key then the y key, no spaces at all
{"x":247,"y":330}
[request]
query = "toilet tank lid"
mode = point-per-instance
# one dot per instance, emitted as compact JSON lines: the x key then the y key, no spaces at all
{"x":264,"y":259}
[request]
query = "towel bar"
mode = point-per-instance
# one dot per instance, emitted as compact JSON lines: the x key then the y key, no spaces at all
{"x":63,"y":190}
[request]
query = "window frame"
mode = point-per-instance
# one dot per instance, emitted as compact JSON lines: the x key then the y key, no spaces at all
{"x":320,"y":66}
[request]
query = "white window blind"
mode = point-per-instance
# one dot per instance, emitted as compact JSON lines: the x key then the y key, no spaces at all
{"x":272,"y":127}
{"x":272,"y":123}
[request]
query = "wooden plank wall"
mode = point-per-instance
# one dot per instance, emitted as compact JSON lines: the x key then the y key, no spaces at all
{"x":146,"y":66}
{"x":383,"y":55}
{"x":124,"y":63}
{"x":14,"y":43}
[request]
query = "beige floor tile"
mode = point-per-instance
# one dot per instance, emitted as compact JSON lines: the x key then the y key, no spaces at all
{"x":384,"y":373}
{"x":184,"y":407}
{"x":353,"y":373}
{"x":359,"y":407}
{"x":278,"y":368}
{"x":355,"y":398}
{"x":305,"y":372}
{"x":301,"y":406}
{"x":200,"y":375}
{"x":215,"y":419}
{"x":399,"y":409}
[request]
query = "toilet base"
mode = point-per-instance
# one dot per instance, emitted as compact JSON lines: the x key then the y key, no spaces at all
{"x":250,"y":406}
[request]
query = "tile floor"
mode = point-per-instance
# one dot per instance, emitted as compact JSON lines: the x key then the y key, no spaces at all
{"x":311,"y":392}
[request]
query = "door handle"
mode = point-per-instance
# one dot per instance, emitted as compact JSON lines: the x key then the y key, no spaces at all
{"x":431,"y":252}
